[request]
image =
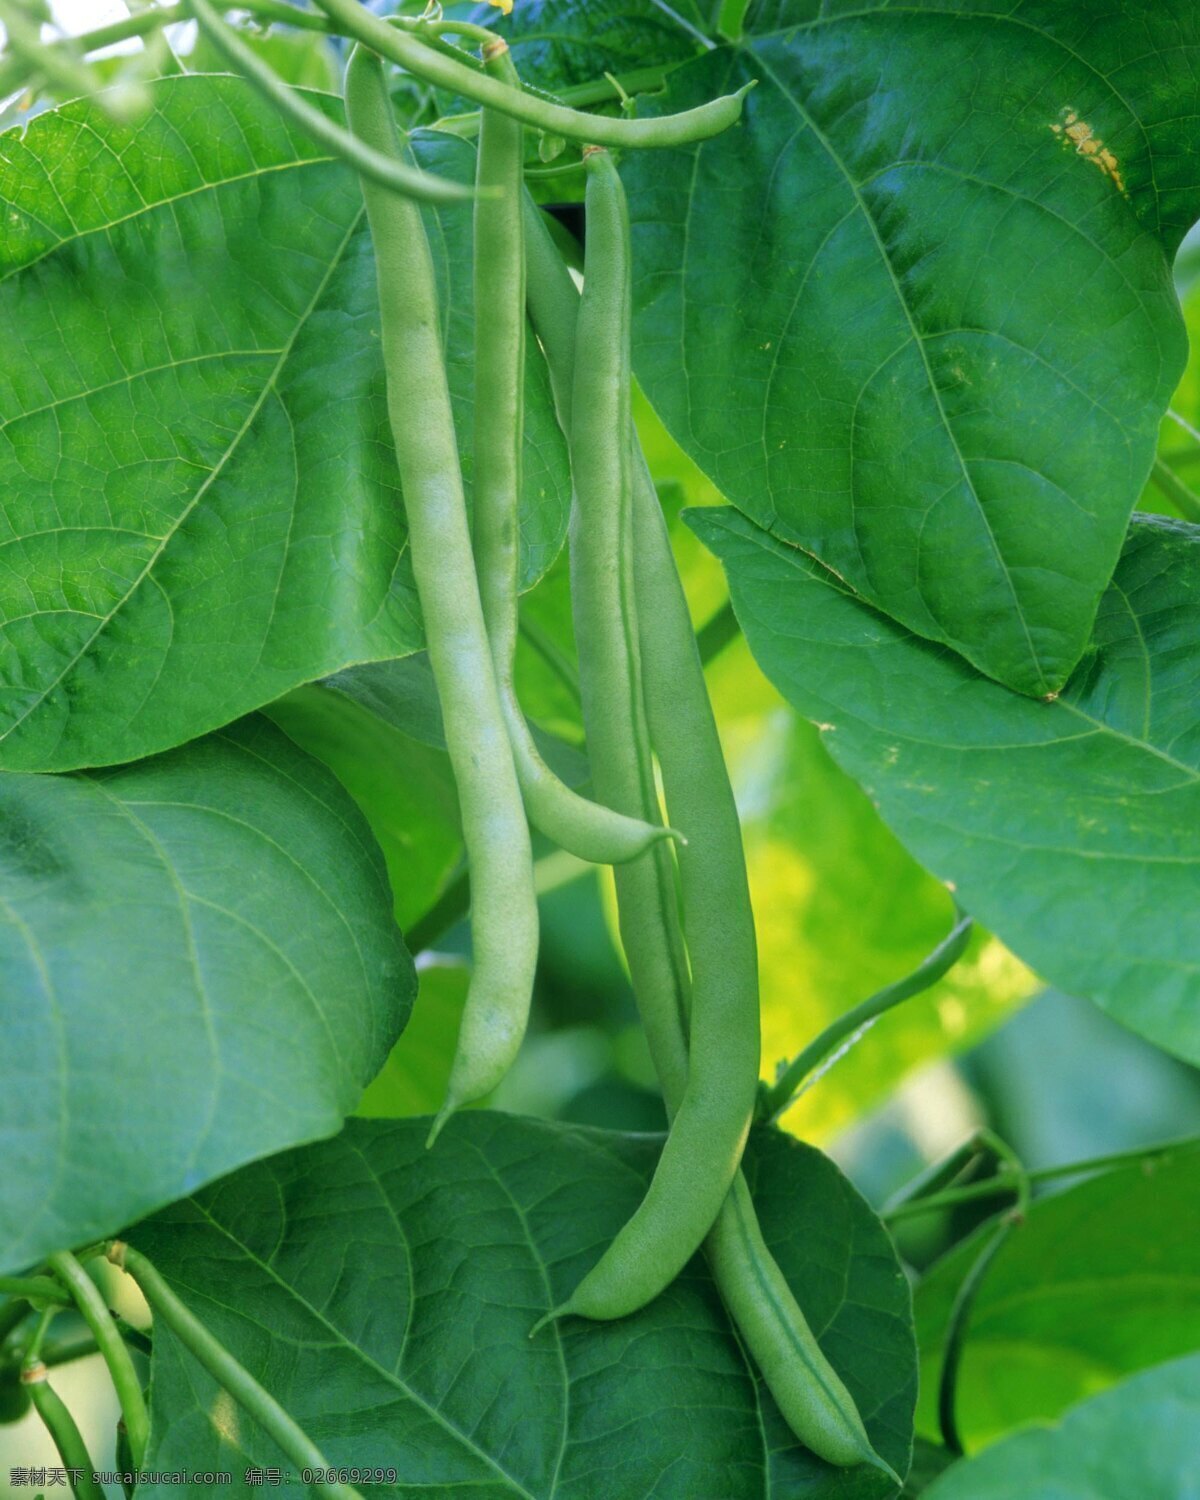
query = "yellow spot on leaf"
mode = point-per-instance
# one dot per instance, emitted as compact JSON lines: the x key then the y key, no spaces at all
{"x":502,"y":5}
{"x":1071,"y":130}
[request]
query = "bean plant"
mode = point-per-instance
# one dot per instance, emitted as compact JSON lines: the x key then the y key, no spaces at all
{"x":353,"y":363}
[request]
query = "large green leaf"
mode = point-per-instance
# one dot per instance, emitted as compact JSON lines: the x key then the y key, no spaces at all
{"x":915,"y":314}
{"x":200,"y":503}
{"x":1076,"y":1299}
{"x":198,"y":966}
{"x":1071,"y":829}
{"x":385,"y":1293}
{"x":1136,"y":1440}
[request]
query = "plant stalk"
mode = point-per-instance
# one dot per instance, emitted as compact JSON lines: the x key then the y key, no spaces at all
{"x":112,"y":1346}
{"x":254,"y":1400}
{"x":943,"y":958}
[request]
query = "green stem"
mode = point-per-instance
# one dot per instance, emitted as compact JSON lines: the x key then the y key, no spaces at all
{"x":254,"y":1400}
{"x":943,"y":958}
{"x":578,"y":95}
{"x":12,"y":1315}
{"x":112,"y":1346}
{"x":60,"y":1424}
{"x":717,"y":632}
{"x":410,"y":53}
{"x":1008,"y":1181}
{"x":956,"y":1333}
{"x":1181,"y":495}
{"x":34,"y":1288}
{"x":374,"y":165}
{"x":943,"y":1173}
{"x":142,"y":24}
{"x":553,"y":655}
{"x":63,"y":1351}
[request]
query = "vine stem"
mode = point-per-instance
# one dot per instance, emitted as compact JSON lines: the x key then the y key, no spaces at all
{"x":956,"y":1334}
{"x":66,"y":1436}
{"x":943,"y":958}
{"x":1185,"y":499}
{"x":34,"y":1289}
{"x":256,"y":1401}
{"x":1008,"y":1180}
{"x":112,"y":1346}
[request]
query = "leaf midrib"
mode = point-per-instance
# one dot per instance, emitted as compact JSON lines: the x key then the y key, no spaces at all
{"x":340,"y":1339}
{"x":213,"y":475}
{"x":919,"y":344}
{"x":1010,"y":20}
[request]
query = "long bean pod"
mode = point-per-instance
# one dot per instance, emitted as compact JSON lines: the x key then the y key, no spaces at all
{"x":585,"y":828}
{"x":377,"y":166}
{"x":808,"y":1391}
{"x":709,"y":1130}
{"x":557,"y":119}
{"x":504,"y":922}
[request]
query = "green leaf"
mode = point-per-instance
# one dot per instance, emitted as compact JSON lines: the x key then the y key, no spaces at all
{"x":199,"y":967}
{"x":384,"y":1294}
{"x":915,"y":314}
{"x":1073,"y":1302}
{"x":201,"y":505}
{"x":1138,"y":1439}
{"x":559,"y":43}
{"x":1068,"y":828}
{"x":399,"y":777}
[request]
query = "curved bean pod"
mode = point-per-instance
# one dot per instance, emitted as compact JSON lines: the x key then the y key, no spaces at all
{"x":808,"y":1391}
{"x":582,"y":827}
{"x":708,"y":1133}
{"x":378,"y":167}
{"x":504,"y":923}
{"x":557,"y":119}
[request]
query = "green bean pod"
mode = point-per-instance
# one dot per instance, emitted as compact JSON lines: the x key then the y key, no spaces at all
{"x":582,"y":827}
{"x":808,"y":1391}
{"x":705,"y":1142}
{"x":504,"y":924}
{"x":380,"y":168}
{"x":444,"y":72}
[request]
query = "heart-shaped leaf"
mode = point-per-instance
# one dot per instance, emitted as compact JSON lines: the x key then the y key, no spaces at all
{"x":915,"y":313}
{"x":198,"y":966}
{"x":1137,"y":1439}
{"x":1071,"y":829}
{"x":384,"y":1294}
{"x":1073,"y":1301}
{"x":200,"y":505}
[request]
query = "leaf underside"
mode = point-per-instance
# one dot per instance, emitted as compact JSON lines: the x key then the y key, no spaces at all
{"x":1071,"y":829}
{"x":1137,"y":1439}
